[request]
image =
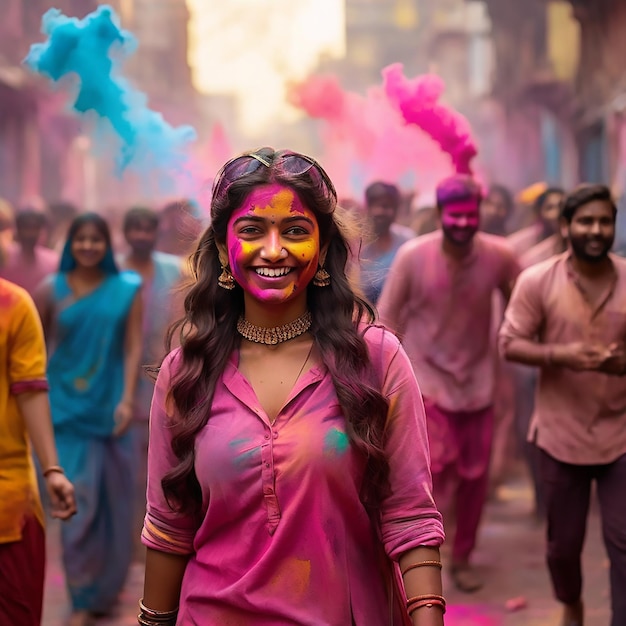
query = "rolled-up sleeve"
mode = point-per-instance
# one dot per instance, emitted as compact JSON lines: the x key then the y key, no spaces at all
{"x":409,"y":517}
{"x":164,"y":529}
{"x":524,"y":314}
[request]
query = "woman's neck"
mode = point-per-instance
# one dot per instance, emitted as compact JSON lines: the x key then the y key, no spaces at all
{"x":269,"y":315}
{"x":88,"y":274}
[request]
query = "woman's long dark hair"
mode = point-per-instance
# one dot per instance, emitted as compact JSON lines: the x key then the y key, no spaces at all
{"x":208,"y":337}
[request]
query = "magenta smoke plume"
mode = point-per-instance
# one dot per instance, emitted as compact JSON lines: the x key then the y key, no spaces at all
{"x":365,"y":138}
{"x":418,"y":101}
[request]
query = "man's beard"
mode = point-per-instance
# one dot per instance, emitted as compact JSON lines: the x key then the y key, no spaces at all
{"x":579,"y":245}
{"x":459,"y":238}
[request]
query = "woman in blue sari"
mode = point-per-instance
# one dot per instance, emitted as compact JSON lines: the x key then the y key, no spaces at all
{"x":92,"y":317}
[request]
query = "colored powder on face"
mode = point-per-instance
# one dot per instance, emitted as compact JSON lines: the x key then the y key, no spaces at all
{"x":418,"y":101}
{"x":273,"y":203}
{"x":92,"y":50}
{"x":336,"y":442}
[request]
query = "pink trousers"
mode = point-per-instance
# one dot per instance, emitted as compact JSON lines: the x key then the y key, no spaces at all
{"x":460,"y":448}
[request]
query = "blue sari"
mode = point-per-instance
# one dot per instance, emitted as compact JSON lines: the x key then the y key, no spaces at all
{"x":86,"y":377}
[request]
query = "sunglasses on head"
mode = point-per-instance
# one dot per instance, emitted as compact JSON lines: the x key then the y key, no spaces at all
{"x":285,"y":164}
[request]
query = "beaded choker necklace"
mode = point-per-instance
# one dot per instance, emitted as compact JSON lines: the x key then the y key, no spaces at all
{"x":278,"y":334}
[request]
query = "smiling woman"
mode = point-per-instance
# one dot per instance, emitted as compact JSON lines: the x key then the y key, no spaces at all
{"x":92,"y":319}
{"x":286,"y":427}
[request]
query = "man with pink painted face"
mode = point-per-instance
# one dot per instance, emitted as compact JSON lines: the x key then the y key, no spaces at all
{"x":438,"y":299}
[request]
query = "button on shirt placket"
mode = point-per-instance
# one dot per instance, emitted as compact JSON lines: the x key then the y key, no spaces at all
{"x":595,"y":334}
{"x":268,"y":479}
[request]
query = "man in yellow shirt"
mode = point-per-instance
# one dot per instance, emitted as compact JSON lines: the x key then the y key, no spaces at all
{"x":25,"y":419}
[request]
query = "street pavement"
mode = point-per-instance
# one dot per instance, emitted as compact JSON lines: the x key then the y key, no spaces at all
{"x":510,"y":555}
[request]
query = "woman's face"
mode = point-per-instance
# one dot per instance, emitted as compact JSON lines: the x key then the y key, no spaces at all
{"x":273,"y":244}
{"x":89,"y":246}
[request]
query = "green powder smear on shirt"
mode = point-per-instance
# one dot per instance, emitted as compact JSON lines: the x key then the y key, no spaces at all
{"x":336,"y":441}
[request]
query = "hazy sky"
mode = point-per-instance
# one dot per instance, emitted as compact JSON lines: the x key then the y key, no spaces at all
{"x":252,"y":48}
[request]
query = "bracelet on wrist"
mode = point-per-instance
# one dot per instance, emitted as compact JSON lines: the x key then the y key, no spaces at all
{"x":53,"y":469}
{"x":151,"y":617}
{"x":429,"y":600}
{"x":413,"y":566}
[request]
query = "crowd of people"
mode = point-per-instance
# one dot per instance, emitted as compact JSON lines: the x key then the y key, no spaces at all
{"x":299,"y":395}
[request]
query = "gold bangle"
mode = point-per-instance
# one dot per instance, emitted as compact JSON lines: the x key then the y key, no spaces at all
{"x":151,"y":617}
{"x":427,"y":597}
{"x":144,"y":620}
{"x":53,"y":469}
{"x":408,"y":568}
{"x":429,"y":604}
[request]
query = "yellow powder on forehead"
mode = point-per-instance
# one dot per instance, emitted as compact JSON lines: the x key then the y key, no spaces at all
{"x":283,"y":200}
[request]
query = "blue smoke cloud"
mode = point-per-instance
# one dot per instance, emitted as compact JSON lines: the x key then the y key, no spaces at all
{"x":93,"y":50}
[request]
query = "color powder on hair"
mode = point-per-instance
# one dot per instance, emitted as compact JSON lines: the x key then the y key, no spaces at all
{"x":418,"y":101}
{"x":92,"y":51}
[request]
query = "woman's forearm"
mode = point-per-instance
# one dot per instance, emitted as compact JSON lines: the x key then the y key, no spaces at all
{"x":163,"y":580}
{"x":421,"y":581}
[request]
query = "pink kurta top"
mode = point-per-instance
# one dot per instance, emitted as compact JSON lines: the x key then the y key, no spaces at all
{"x":579,"y":417}
{"x":442,"y":308}
{"x":284,"y":537}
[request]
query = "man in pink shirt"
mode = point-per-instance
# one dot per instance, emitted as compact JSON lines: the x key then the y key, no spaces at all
{"x":438,"y":299}
{"x":27,"y":263}
{"x":567,"y":316}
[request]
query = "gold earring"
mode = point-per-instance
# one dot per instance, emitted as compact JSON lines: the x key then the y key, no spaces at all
{"x":321,"y":278}
{"x":226,"y":280}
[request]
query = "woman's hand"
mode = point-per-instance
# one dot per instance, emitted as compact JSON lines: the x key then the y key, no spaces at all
{"x":123,"y":416}
{"x":61,"y":493}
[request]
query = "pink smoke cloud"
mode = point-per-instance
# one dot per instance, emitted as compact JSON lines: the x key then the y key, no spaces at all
{"x":418,"y":101}
{"x":365,"y":138}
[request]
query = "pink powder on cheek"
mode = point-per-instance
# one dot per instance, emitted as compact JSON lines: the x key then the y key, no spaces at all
{"x":274,"y":203}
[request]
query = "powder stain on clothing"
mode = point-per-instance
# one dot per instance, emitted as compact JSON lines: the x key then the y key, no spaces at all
{"x":336,"y":442}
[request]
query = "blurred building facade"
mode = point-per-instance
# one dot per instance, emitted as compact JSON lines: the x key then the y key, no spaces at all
{"x":451,"y":38}
{"x":34,"y":130}
{"x":559,"y":90}
{"x":379,"y":32}
{"x":542,"y":81}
